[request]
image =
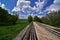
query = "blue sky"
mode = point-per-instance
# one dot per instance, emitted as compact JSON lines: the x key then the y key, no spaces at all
{"x":10,"y":4}
{"x":44,"y":6}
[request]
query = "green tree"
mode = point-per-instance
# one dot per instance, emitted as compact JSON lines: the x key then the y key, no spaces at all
{"x":3,"y":15}
{"x":52,"y":18}
{"x":37,"y":19}
{"x":6,"y":18}
{"x":30,"y":19}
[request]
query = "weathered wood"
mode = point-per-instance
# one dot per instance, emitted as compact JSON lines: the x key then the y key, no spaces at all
{"x":27,"y":34}
{"x":50,"y":29}
{"x":38,"y":31}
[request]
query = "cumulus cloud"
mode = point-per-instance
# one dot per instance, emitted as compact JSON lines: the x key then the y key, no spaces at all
{"x":2,"y":5}
{"x":23,"y":7}
{"x":54,"y":7}
{"x":39,"y":5}
{"x":22,"y":4}
{"x":57,"y":2}
{"x":16,"y":9}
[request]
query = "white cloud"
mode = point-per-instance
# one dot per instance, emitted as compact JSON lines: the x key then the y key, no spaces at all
{"x":54,"y":7}
{"x":40,"y":16}
{"x":16,"y":9}
{"x":39,"y":5}
{"x":57,"y":2}
{"x":2,"y":5}
{"x":23,"y":16}
{"x":21,"y":5}
{"x":25,"y":7}
{"x":34,"y":8}
{"x":22,"y":1}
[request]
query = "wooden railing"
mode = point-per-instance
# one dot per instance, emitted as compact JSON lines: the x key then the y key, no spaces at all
{"x":27,"y":34}
{"x":51,"y":29}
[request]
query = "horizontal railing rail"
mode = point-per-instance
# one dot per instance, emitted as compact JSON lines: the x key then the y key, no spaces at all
{"x":27,"y":34}
{"x":51,"y":29}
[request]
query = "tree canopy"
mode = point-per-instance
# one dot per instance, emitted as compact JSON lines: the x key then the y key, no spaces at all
{"x":52,"y":18}
{"x":37,"y":19}
{"x":30,"y":19}
{"x":6,"y":18}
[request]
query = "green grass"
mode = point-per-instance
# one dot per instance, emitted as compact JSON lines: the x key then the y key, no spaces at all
{"x":11,"y":31}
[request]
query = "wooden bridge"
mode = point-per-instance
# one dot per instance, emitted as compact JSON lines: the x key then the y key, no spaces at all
{"x":39,"y":31}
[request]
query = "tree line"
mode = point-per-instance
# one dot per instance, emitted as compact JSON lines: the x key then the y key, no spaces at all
{"x":52,"y":18}
{"x":6,"y":18}
{"x":30,"y":19}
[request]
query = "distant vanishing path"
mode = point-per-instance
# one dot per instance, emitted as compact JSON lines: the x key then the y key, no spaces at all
{"x":38,"y":31}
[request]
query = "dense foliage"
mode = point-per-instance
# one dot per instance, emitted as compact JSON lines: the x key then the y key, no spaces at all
{"x":52,"y":18}
{"x":30,"y":19}
{"x":6,"y":18}
{"x":37,"y":19}
{"x":11,"y":31}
